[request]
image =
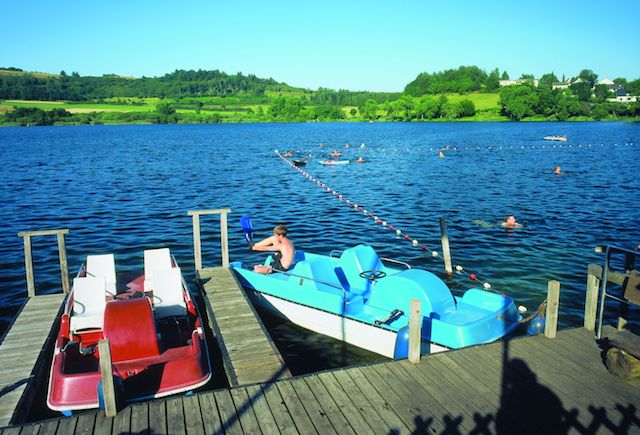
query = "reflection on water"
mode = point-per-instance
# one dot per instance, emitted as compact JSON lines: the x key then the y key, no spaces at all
{"x":123,"y":189}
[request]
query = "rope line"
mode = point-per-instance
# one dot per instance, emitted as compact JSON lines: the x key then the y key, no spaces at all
{"x":385,"y":224}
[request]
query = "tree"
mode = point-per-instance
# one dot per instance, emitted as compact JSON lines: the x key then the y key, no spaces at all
{"x":601,"y":93}
{"x":518,"y":102}
{"x":582,"y":90}
{"x":492,"y":83}
{"x":467,"y":108}
{"x":547,"y":81}
{"x":504,"y":76}
{"x":588,"y":76}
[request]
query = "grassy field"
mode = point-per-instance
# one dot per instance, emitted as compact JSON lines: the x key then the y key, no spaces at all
{"x":79,"y":107}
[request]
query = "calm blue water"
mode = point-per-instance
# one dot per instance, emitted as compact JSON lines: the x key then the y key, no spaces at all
{"x":122,"y":189}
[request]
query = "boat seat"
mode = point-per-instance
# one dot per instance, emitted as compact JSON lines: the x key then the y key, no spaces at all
{"x":131,"y":330}
{"x":356,"y":260}
{"x":105,"y":266}
{"x":157,"y":259}
{"x":89,"y":300}
{"x":168,"y":297}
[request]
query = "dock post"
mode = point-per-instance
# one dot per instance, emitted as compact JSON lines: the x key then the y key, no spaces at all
{"x":591,"y":302}
{"x":106,"y":373}
{"x":197,"y":249}
{"x":415,"y":325}
{"x":553,"y":298}
{"x":64,"y":269}
{"x":28,"y":265}
{"x":224,"y":238}
{"x":446,"y":251}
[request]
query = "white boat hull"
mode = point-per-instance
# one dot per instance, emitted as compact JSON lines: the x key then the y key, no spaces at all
{"x":365,"y":336}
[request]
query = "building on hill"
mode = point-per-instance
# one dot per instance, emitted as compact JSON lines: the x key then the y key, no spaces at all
{"x":518,"y":82}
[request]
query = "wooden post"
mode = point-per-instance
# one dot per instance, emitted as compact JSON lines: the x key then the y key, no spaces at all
{"x":28,"y":265}
{"x":197,"y":252}
{"x":623,"y":306}
{"x":415,"y":326}
{"x":106,"y":372}
{"x":64,"y":269}
{"x":591,"y":302}
{"x":224,"y":238}
{"x":553,"y":298}
{"x":446,"y":251}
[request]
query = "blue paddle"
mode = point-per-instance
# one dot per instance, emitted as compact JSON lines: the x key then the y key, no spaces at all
{"x":245,"y":221}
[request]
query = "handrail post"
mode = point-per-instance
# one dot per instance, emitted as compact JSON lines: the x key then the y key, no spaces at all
{"x":224,"y":238}
{"x":591,"y":302}
{"x":64,"y":269}
{"x":415,"y":333}
{"x":446,"y":250}
{"x":553,"y":298}
{"x":28,"y":265}
{"x":197,"y":249}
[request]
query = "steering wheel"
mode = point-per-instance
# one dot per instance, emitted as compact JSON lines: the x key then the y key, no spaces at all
{"x":372,"y":275}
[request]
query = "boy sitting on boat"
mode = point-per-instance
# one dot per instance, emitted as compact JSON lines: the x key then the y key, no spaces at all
{"x":283,"y":248}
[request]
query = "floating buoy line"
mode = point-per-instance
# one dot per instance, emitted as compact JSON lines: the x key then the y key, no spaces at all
{"x":385,"y":224}
{"x":494,"y":147}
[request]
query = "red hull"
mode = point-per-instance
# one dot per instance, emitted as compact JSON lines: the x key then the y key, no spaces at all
{"x":151,"y":357}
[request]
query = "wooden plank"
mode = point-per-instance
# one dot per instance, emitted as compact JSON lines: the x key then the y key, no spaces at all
{"x":244,"y":410}
{"x":265,"y":419}
{"x":49,"y":427}
{"x":378,"y":402}
{"x":67,"y":425}
{"x":314,"y":410}
{"x":328,"y":406}
{"x":414,"y":396}
{"x":370,"y":415}
{"x":14,"y":430}
{"x":210,"y":416}
{"x":140,"y":418}
{"x":351,"y":413}
{"x":86,"y":423}
{"x":227,"y":410}
{"x":175,"y":417}
{"x":591,"y":302}
{"x":157,"y":417}
{"x":28,"y":429}
{"x":489,"y":374}
{"x":43,"y":232}
{"x":192,"y":415}
{"x":278,"y":409}
{"x":412,"y":417}
{"x":103,"y":424}
{"x":296,"y":410}
{"x":122,"y":421}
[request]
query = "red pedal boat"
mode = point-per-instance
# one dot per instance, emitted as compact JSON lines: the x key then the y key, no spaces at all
{"x":155,"y":334}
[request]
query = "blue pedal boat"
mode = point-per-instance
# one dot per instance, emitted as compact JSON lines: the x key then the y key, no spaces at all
{"x":354,"y":297}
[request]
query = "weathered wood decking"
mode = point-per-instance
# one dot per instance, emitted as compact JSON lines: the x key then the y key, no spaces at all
{"x":531,"y":385}
{"x":248,"y":352}
{"x":22,"y":353}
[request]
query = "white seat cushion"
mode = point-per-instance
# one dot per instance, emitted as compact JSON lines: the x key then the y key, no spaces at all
{"x":89,"y":300}
{"x":103,"y":266}
{"x":168,"y":298}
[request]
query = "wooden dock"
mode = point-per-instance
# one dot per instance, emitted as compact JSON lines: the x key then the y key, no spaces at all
{"x":22,"y":355}
{"x":528,"y":385}
{"x":249,"y":355}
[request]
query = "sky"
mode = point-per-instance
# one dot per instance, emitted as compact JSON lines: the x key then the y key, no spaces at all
{"x":349,"y":44}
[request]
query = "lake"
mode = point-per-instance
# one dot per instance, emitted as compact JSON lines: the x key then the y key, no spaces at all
{"x":123,"y":189}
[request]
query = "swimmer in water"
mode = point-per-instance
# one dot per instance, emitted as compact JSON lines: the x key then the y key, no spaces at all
{"x":510,"y":222}
{"x":557,"y":171}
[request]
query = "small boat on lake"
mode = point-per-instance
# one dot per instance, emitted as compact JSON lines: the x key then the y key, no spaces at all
{"x":154,"y":330}
{"x":562,"y":138}
{"x":331,"y":162}
{"x":356,"y":298}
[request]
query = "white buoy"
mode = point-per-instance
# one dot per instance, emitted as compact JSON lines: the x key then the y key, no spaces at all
{"x":434,"y":253}
{"x":522,"y":309}
{"x":415,"y":242}
{"x":486,"y":286}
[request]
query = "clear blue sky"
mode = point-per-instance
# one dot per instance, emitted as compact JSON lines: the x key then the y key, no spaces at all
{"x":349,"y":44}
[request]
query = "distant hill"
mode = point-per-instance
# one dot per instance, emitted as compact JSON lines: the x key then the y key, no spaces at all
{"x":18,"y":84}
